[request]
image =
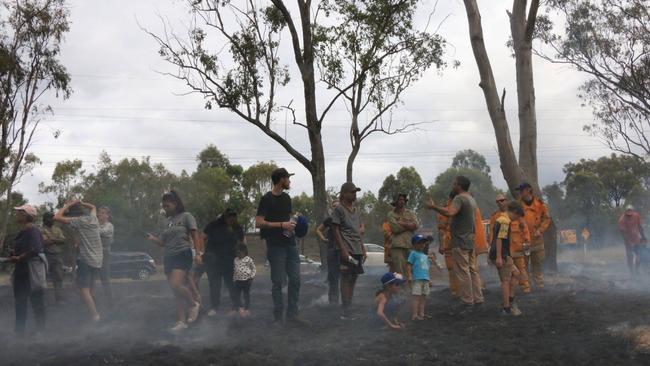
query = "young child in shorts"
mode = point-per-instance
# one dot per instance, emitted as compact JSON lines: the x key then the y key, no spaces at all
{"x":387,"y":304}
{"x":417,"y":268}
{"x":500,"y":256}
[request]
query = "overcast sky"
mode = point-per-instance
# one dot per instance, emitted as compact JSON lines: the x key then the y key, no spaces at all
{"x":121,"y":105}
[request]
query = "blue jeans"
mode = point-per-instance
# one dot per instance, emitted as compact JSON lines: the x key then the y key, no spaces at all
{"x":284,"y":261}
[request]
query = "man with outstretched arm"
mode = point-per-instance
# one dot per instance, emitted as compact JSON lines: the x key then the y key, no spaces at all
{"x":462,"y":225}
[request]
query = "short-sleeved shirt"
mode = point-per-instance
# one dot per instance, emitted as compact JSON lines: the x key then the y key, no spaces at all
{"x":502,"y":232}
{"x":630,"y":227}
{"x":275,"y":209}
{"x":327,"y":224}
{"x":29,"y":240}
{"x":51,"y":234}
{"x":462,"y":226}
{"x":349,"y":223}
{"x":106,"y":234}
{"x":420,"y":264}
{"x":401,"y":238}
{"x":176,"y":233}
{"x":90,"y":243}
{"x":222,"y":239}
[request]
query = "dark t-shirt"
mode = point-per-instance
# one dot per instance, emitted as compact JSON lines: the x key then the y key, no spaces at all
{"x":275,"y":209}
{"x":222,"y":239}
{"x":29,"y":240}
{"x":327,"y":224}
{"x":501,"y":231}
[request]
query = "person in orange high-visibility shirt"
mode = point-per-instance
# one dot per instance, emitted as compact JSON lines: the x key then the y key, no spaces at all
{"x":388,"y":234}
{"x":519,"y":236}
{"x":444,"y":239}
{"x":480,"y":242}
{"x":538,"y":221}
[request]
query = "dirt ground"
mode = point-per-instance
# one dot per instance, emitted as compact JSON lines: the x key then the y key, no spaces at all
{"x":590,"y":313}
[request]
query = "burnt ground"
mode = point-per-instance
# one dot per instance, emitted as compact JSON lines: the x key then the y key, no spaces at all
{"x":587,"y":315}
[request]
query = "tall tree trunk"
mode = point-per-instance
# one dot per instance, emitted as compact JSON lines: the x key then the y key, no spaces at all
{"x":350,"y":164}
{"x":5,"y":218}
{"x":509,"y":165}
{"x":521,"y":29}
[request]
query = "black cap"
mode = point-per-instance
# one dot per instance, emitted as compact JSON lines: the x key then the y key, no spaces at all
{"x":349,"y":187}
{"x":523,"y":186}
{"x":280,"y":173}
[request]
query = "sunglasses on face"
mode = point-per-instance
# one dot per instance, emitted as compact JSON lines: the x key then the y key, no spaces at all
{"x":501,"y":200}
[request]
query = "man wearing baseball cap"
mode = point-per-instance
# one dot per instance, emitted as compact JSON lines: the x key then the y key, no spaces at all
{"x":273,"y":218}
{"x":346,"y":230}
{"x":538,"y":221}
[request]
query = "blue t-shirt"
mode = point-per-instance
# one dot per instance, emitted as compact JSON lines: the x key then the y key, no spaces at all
{"x":420,"y":263}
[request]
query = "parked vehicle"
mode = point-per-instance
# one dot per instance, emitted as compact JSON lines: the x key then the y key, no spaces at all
{"x":136,"y":265}
{"x":375,"y":255}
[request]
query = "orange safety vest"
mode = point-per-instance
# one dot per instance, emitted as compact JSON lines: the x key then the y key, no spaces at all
{"x":537,"y":218}
{"x":480,"y":239}
{"x":385,"y":227}
{"x":444,"y":230}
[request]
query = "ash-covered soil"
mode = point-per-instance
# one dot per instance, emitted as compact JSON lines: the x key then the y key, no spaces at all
{"x":587,"y":315}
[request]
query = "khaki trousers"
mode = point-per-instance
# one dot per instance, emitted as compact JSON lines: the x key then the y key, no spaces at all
{"x":536,"y":266}
{"x":522,"y":266}
{"x":398,"y":259}
{"x":453,"y":281}
{"x":467,"y":275}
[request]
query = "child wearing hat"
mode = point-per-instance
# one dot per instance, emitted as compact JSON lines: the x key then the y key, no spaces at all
{"x":387,"y":305}
{"x":417,"y":266}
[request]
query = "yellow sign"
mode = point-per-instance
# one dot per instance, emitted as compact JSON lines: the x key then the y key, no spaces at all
{"x":568,"y":237}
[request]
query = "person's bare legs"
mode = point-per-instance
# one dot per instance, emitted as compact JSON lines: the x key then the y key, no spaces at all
{"x":177,"y":279}
{"x":423,"y":300}
{"x":415,"y":307}
{"x":88,"y":300}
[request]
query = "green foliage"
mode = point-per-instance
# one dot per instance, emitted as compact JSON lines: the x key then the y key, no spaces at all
{"x":482,"y":189}
{"x":31,"y":32}
{"x":610,"y":41}
{"x":67,"y":180}
{"x":472,"y":160}
{"x":407,"y":181}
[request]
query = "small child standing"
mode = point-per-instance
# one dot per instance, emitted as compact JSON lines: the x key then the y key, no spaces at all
{"x":386,"y":309}
{"x":417,"y":266}
{"x":499,"y":254}
{"x":243,"y":275}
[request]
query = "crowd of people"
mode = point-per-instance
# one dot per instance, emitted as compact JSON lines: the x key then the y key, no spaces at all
{"x":514,"y":244}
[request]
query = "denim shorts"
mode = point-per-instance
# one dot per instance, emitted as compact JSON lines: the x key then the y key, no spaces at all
{"x":182,"y":261}
{"x":86,"y":275}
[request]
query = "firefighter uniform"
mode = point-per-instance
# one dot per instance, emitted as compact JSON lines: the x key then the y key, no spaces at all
{"x":519,"y":235}
{"x":444,"y":238}
{"x":538,"y":221}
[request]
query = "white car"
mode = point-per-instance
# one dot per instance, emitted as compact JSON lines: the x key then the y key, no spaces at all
{"x":375,"y":255}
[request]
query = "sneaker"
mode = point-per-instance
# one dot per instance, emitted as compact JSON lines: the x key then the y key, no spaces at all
{"x":193,"y":312}
{"x":510,"y":312}
{"x":515,"y":309}
{"x":212,"y":313}
{"x":179,"y":327}
{"x":96,"y":318}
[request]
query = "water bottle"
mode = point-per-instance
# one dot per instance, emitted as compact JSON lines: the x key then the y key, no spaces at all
{"x":289,"y":233}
